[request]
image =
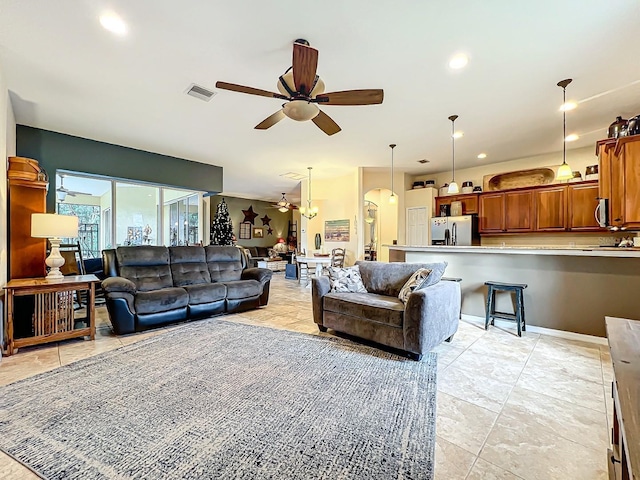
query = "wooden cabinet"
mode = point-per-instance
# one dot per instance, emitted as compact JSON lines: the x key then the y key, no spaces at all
{"x":551,"y":209}
{"x":469,"y":203}
{"x":518,"y":211}
{"x":491,"y":213}
{"x":583,"y":200}
{"x":623,"y":458}
{"x":619,"y":167}
{"x":26,"y":254}
{"x":628,"y":151}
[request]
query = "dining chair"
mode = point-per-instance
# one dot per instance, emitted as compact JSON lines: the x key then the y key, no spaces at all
{"x":337,"y":257}
{"x":303,"y":268}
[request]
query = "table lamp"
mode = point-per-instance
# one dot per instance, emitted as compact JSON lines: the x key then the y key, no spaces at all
{"x":54,"y":227}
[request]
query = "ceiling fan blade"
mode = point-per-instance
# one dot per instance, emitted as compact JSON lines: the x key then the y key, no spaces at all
{"x":305,"y":63}
{"x":352,"y":97}
{"x":73,"y":193}
{"x":326,"y":124}
{"x":250,"y":90}
{"x":271,"y":120}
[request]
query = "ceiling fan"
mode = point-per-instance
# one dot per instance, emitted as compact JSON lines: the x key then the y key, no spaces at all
{"x":284,"y":205}
{"x":62,"y":192}
{"x":303,"y":90}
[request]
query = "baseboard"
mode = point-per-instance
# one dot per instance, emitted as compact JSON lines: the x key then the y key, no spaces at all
{"x":544,"y":331}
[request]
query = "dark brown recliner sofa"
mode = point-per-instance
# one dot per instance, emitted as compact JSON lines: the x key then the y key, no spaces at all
{"x":152,"y":286}
{"x":429,"y":317}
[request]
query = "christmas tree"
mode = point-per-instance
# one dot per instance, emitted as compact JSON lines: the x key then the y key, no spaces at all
{"x":221,"y":227}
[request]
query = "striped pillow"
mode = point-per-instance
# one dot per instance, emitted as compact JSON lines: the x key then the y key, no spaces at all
{"x":415,"y":282}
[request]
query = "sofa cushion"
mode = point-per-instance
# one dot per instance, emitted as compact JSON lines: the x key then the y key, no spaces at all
{"x":161,"y":300}
{"x":416,"y":281}
{"x":224,"y":263}
{"x":189,"y":266}
{"x":346,"y":280}
{"x":373,"y":307}
{"x":243,"y":289}
{"x":146,"y":266}
{"x":388,"y":278}
{"x":206,"y":293}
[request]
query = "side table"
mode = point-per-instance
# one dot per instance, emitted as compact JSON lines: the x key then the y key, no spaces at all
{"x":53,"y":316}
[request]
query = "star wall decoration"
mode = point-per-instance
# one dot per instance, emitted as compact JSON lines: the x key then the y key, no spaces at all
{"x":270,"y":231}
{"x":265,"y":220}
{"x":249,"y":215}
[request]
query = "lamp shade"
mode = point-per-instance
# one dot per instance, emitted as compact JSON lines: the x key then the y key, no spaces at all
{"x":51,"y":225}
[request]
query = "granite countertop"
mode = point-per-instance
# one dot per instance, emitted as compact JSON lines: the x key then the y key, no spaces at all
{"x":577,"y":251}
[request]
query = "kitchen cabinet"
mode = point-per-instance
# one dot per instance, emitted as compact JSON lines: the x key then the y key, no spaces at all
{"x":518,"y":211}
{"x":582,"y":202}
{"x":469,"y":202}
{"x":551,"y":209}
{"x":491,"y":213}
{"x":619,"y":168}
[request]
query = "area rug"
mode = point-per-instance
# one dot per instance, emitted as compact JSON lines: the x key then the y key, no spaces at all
{"x":220,"y":400}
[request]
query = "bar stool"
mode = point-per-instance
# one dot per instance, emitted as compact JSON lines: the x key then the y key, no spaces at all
{"x":492,"y":314}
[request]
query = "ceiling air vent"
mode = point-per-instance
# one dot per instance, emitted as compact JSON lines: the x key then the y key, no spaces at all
{"x":293,"y":176}
{"x":200,"y":92}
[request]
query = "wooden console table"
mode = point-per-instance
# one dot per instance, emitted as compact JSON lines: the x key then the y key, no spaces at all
{"x":53,"y":316}
{"x":624,"y":344}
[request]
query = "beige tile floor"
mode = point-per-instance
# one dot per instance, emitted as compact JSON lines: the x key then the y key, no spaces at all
{"x":535,"y":407}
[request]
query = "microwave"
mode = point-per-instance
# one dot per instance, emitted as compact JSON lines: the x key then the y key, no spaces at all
{"x":602,"y":212}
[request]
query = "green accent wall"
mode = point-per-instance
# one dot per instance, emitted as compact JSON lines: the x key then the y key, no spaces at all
{"x":57,"y":151}
{"x":279,"y":221}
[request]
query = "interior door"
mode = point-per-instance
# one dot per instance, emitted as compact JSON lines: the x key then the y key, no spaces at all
{"x":417,"y":226}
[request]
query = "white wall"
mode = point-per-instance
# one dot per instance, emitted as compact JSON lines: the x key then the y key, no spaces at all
{"x":337,"y":199}
{"x":7,"y":149}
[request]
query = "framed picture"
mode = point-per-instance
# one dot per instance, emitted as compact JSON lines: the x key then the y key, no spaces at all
{"x":258,"y":232}
{"x":245,"y":231}
{"x":336,"y":230}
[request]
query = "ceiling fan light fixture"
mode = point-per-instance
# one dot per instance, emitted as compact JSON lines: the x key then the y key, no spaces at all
{"x":300,"y":110}
{"x":62,"y":195}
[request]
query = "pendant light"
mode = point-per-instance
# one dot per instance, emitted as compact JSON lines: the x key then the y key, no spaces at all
{"x":392,"y":198}
{"x":453,"y":186}
{"x":309,"y":212}
{"x":564,"y":172}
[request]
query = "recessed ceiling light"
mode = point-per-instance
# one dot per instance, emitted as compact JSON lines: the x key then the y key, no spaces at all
{"x":458,"y":61}
{"x":458,"y":134}
{"x":565,"y":107}
{"x":482,"y":156}
{"x":112,"y":22}
{"x":572,"y":138}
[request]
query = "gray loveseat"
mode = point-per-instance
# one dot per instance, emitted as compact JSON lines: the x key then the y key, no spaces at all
{"x":150,"y":286}
{"x":429,"y":317}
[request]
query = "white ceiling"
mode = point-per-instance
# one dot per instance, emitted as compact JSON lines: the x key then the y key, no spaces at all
{"x":67,"y":74}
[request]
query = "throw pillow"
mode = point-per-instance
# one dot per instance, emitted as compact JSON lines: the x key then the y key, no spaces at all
{"x":415,"y":282}
{"x":346,"y":280}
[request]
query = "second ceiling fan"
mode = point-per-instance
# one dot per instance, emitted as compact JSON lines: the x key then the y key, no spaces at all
{"x":304,"y":90}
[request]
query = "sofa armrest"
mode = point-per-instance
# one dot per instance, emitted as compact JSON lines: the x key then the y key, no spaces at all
{"x":119,"y":284}
{"x":431,"y":316}
{"x":320,"y":286}
{"x":263,"y":275}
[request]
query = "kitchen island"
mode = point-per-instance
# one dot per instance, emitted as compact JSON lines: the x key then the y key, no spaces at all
{"x":569,"y":288}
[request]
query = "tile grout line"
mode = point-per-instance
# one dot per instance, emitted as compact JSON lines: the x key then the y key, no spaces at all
{"x":484,"y":443}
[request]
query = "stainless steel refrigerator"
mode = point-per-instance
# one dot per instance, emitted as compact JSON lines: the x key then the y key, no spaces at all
{"x":462,"y":231}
